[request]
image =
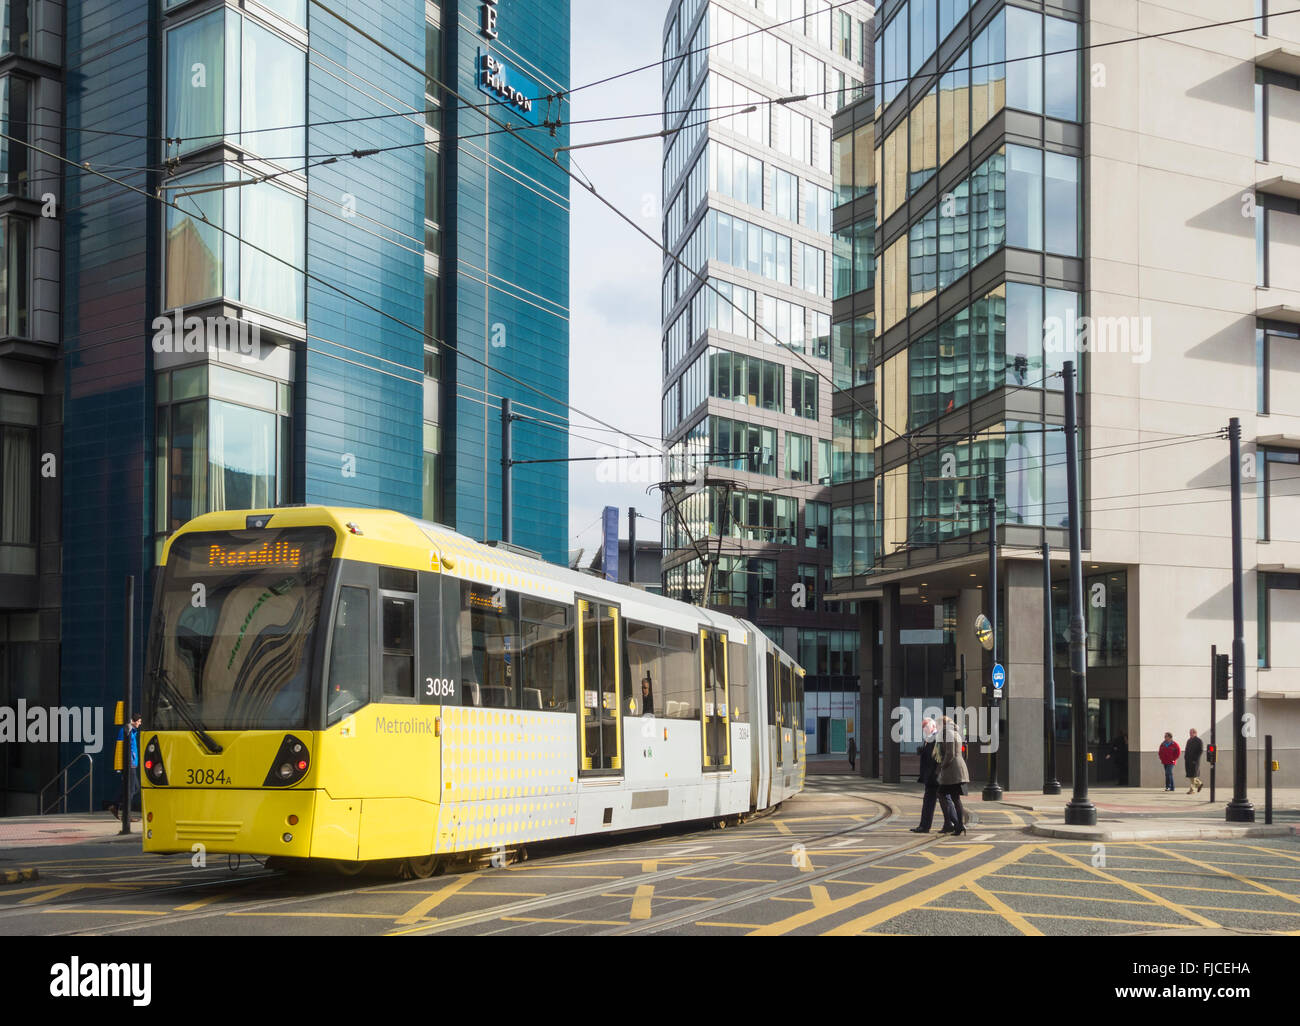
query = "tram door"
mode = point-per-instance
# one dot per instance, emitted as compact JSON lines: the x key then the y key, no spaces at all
{"x":600,"y":734}
{"x":785,"y":735}
{"x":771,"y":726}
{"x":714,"y":700}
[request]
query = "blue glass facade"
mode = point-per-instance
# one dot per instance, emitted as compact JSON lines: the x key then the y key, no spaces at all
{"x":509,"y":208}
{"x":350,"y":393}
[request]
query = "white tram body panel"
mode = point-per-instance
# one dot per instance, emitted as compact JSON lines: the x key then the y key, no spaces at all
{"x":511,"y":776}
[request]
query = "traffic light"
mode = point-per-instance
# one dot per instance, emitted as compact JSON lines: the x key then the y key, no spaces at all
{"x":1209,"y":754}
{"x":1221,"y":677}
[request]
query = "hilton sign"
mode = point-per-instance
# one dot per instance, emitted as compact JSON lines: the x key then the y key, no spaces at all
{"x":497,"y":79}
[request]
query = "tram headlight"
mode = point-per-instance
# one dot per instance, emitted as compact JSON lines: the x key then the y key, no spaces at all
{"x":290,"y":764}
{"x":153,"y":764}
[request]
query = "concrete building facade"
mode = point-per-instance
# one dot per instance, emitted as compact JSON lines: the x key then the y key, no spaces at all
{"x":1134,"y":207}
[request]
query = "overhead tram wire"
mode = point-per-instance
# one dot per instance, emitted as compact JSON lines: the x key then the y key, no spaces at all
{"x":330,"y":285}
{"x":467,"y":105}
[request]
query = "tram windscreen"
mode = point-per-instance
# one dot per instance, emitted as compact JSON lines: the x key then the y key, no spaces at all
{"x":234,"y":629}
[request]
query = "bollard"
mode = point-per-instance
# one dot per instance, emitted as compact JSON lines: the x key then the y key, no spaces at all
{"x":1268,"y":778}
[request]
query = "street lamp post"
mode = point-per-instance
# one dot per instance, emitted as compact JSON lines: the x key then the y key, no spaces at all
{"x":1079,"y":811}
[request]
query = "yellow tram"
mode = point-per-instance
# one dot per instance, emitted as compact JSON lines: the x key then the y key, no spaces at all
{"x":355,"y":685}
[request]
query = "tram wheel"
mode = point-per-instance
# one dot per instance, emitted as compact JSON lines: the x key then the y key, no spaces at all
{"x":420,"y":868}
{"x":345,"y":868}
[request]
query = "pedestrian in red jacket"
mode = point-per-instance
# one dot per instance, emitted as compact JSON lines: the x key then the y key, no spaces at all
{"x":1169,"y":752}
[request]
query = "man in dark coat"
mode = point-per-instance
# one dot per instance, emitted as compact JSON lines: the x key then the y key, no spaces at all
{"x":929,"y":776}
{"x":1192,"y":761}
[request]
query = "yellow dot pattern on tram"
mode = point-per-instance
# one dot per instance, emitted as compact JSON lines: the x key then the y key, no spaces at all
{"x":508,"y":777}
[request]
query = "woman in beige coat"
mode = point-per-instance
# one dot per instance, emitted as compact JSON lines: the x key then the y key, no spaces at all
{"x":953,"y":777}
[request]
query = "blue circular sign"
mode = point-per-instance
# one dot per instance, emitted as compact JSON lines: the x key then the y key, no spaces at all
{"x":999,"y":676}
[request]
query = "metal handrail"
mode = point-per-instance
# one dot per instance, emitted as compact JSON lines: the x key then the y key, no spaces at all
{"x":62,"y":798}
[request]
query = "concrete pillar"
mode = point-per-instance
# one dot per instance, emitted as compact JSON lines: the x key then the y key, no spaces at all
{"x":891,"y":677}
{"x":970,"y":603}
{"x":868,"y":673}
{"x":1023,"y":744}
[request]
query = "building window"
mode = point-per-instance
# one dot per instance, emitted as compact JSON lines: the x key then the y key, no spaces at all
{"x":17,"y":28}
{"x":432,"y":477}
{"x":229,"y":77}
{"x":817,"y":525}
{"x":203,"y":262}
{"x":813,"y":269}
{"x":803,"y":395}
{"x":1278,"y":506}
{"x":18,"y":475}
{"x":798,"y":456}
{"x":15,"y":276}
{"x":1279,"y":606}
{"x":223,"y":442}
{"x":15,"y":118}
{"x":743,"y":379}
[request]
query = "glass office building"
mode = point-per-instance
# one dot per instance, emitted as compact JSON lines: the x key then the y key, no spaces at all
{"x":749,"y":91}
{"x":274,"y":332}
{"x":1012,"y":232}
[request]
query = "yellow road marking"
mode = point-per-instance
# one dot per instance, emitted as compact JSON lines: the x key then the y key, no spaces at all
{"x":99,"y":911}
{"x":1137,"y":889}
{"x":731,"y":879}
{"x":58,"y":890}
{"x":782,"y":828}
{"x":649,"y":865}
{"x":1004,"y":910}
{"x":1240,"y":879}
{"x":1057,"y":915}
{"x":1075,"y":897}
{"x":426,"y":905}
{"x":820,"y":896}
{"x":641,"y":902}
{"x":730,"y":926}
{"x":576,"y":876}
{"x":198,"y":904}
{"x":1015,"y":820}
{"x":1248,"y":911}
{"x":855,"y":926}
{"x":840,"y":904}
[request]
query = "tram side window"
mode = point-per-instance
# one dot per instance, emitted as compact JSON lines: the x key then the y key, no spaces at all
{"x":349,"y":680}
{"x":644,"y":669}
{"x":490,"y":647}
{"x":771,"y":687}
{"x":399,"y":647}
{"x":738,"y":680}
{"x":547,"y":677}
{"x":784,"y":699}
{"x":681,"y":677}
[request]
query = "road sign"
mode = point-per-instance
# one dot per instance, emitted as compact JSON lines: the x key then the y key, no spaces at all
{"x":999,"y":677}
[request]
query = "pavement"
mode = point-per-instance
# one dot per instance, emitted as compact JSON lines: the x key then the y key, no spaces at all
{"x":1123,"y":813}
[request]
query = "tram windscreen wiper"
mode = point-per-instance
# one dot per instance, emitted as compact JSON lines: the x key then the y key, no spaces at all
{"x":181,"y":707}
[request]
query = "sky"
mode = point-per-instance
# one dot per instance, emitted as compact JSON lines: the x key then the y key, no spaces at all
{"x":615,"y":361}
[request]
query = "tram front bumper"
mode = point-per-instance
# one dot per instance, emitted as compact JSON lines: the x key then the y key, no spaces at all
{"x":229,"y":821}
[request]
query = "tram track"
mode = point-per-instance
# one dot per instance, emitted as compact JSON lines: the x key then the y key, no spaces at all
{"x":273,"y":902}
{"x":642,"y":879}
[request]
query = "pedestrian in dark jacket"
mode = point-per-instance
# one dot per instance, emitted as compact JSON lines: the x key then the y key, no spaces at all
{"x":953,"y":775}
{"x":1169,"y":752}
{"x":929,"y":776}
{"x":1192,"y":761}
{"x":853,"y":752}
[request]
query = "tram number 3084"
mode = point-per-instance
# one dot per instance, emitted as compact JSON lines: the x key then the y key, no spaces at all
{"x":441,"y":686}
